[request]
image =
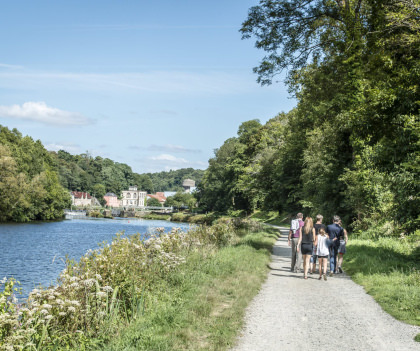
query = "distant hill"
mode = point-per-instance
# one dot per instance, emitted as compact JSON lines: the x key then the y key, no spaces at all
{"x":98,"y":175}
{"x":172,"y":180}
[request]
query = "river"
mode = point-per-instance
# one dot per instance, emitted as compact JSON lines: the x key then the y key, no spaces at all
{"x":34,"y":253}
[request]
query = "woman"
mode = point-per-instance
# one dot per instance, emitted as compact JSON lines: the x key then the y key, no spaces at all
{"x":322,"y":252}
{"x":306,"y":241}
{"x":342,"y":249}
{"x":318,"y":225}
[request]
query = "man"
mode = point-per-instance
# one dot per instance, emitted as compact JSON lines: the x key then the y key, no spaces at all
{"x":294,"y":231}
{"x":334,"y":232}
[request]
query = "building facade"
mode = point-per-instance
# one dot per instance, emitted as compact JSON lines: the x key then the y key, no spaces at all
{"x":112,"y":200}
{"x":133,"y":197}
{"x":81,"y":199}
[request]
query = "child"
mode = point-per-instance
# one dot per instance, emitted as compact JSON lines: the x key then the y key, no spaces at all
{"x":322,"y":252}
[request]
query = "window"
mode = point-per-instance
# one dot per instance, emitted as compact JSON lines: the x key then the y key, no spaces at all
{"x":128,"y":195}
{"x":134,"y":195}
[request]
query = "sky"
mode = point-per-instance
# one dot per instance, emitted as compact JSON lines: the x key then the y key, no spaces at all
{"x":158,"y":85}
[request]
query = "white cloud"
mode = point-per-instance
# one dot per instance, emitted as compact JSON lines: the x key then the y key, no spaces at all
{"x":169,"y":158}
{"x":40,"y":112}
{"x":5,"y":65}
{"x":165,"y":82}
{"x":71,"y":148}
{"x":172,"y":148}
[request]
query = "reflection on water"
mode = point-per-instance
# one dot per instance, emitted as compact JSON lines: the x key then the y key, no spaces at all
{"x":34,"y":253}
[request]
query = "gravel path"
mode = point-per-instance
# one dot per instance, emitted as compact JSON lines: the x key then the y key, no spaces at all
{"x":291,"y":313}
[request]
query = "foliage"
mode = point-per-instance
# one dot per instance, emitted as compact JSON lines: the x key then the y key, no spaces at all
{"x":172,"y":180}
{"x":181,"y":199}
{"x":352,"y":144}
{"x":29,"y":186}
{"x":106,"y":290}
{"x":98,"y":175}
{"x":153,"y":202}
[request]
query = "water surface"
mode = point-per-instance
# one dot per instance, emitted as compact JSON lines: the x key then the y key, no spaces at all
{"x":34,"y":253}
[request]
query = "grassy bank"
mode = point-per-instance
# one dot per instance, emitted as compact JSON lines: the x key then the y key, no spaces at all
{"x":177,"y":291}
{"x":201,"y":306}
{"x":389,"y":270}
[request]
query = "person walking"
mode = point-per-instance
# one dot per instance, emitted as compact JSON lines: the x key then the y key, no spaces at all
{"x":293,"y":240}
{"x":334,"y":232}
{"x":306,"y":242}
{"x":318,"y":225}
{"x":342,"y":247}
{"x":322,"y":252}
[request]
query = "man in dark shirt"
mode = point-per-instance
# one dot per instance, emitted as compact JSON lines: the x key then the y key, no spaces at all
{"x":334,"y":232}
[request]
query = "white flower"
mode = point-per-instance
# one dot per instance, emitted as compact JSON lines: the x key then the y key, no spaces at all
{"x":107,"y":288}
{"x":47,"y":306}
{"x":75,"y":302}
{"x":89,"y":282}
{"x":71,"y":309}
{"x":45,"y":312}
{"x":51,"y":297}
{"x":74,"y":285}
{"x":59,"y":301}
{"x":48,"y":317}
{"x":74,"y":279}
{"x":62,"y":313}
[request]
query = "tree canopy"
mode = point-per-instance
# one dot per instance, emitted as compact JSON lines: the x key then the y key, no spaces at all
{"x":351,"y":145}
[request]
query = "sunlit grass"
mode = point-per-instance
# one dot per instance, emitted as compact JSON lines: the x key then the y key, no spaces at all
{"x":389,"y":271}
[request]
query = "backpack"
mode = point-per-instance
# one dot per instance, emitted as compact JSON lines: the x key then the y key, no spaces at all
{"x":295,"y":225}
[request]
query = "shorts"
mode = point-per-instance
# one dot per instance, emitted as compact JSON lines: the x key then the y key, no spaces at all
{"x":319,"y":256}
{"x":342,"y":248}
{"x":306,"y":249}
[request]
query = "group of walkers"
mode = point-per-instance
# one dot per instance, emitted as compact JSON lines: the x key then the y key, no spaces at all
{"x":311,"y":241}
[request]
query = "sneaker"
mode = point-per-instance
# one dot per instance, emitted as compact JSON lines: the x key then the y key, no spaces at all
{"x":340,"y":270}
{"x":325,"y":277}
{"x":331,"y":274}
{"x":320,"y":277}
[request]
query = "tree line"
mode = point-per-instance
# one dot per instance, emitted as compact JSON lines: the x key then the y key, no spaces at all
{"x":351,"y":145}
{"x":35,"y":183}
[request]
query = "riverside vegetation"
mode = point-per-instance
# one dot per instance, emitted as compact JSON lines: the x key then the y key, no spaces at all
{"x":182,"y":290}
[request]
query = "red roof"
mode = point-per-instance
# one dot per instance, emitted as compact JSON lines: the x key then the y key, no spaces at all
{"x":158,"y":196}
{"x":81,"y":195}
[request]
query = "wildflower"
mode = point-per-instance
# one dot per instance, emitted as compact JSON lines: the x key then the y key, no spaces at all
{"x":75,"y":302}
{"x":44,"y":312}
{"x":74,"y":285}
{"x":89,"y":282}
{"x":62,"y":314}
{"x":107,"y":288}
{"x":71,"y":309}
{"x":74,"y":279}
{"x":51,"y":297}
{"x":47,"y":306}
{"x":98,"y":277}
{"x":48,"y":317}
{"x":59,"y":301}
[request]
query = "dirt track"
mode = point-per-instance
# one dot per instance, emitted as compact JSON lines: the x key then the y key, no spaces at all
{"x":291,"y":313}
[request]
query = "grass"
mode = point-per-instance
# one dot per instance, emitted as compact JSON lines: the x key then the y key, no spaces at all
{"x":201,"y":306}
{"x":389,"y":270}
{"x":271,"y":217}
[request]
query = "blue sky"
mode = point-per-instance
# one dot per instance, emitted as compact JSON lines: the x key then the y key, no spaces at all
{"x":157,"y":85}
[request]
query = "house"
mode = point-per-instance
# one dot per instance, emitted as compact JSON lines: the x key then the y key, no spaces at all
{"x":81,"y":199}
{"x":112,"y":200}
{"x":133,"y":197}
{"x":188,"y":185}
{"x":160,"y":196}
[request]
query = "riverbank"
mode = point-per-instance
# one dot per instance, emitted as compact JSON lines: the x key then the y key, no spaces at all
{"x":176,"y":291}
